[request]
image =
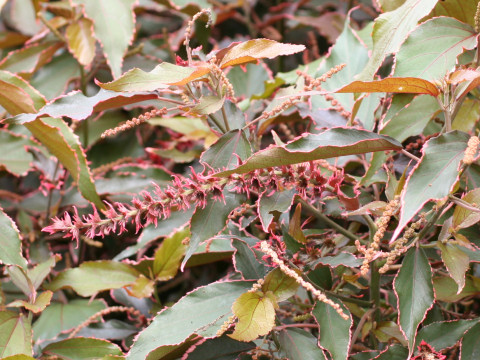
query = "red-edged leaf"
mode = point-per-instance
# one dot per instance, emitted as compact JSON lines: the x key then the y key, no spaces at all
{"x":470,"y":77}
{"x":161,"y":76}
{"x":81,"y":42}
{"x":331,"y":143}
{"x":10,"y":242}
{"x":407,"y":85}
{"x":78,"y":106}
{"x":257,"y":49}
{"x":414,"y":290}
{"x":15,"y":334}
{"x":82,"y":348}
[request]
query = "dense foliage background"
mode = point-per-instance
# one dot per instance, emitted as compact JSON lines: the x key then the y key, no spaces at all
{"x":239,"y":179}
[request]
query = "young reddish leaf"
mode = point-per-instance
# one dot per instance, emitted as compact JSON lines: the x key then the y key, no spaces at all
{"x":391,"y":29}
{"x":330,"y":143}
{"x":114,"y":25}
{"x":77,"y":106}
{"x":295,"y":226}
{"x":59,"y":317}
{"x":18,"y":96}
{"x":270,"y":205}
{"x":281,"y":285}
{"x":15,"y":334}
{"x":81,"y":348}
{"x":160,"y":77}
{"x":252,"y":50}
{"x":456,"y":261}
{"x":256,"y":315}
{"x":169,"y":255}
{"x":434,"y":176}
{"x":446,"y":38}
{"x":299,"y":344}
{"x":60,"y":140}
{"x":85,"y":280}
{"x":41,"y":302}
{"x":202,"y":311}
{"x":10,"y":242}
{"x":407,"y":85}
{"x":470,"y":77}
{"x":414,"y":290}
{"x":81,"y":41}
{"x":333,"y":338}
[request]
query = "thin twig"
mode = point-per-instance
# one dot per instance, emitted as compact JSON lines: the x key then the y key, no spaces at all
{"x":411,"y":156}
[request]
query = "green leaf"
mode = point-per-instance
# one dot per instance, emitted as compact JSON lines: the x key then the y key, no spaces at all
{"x":391,"y":29}
{"x":333,"y":338}
{"x":250,"y":82}
{"x":347,"y":50}
{"x":411,"y":119}
{"x":387,"y":330}
{"x":162,"y":76}
{"x":202,"y":312}
{"x":226,"y":151}
{"x":341,"y":259}
{"x":81,"y":349}
{"x":114,"y":26}
{"x":85,"y":280}
{"x":81,"y":40}
{"x":414,"y":290}
{"x":461,"y":10}
{"x":41,"y":302}
{"x":446,"y":38}
{"x":169,"y":255}
{"x":59,"y":317}
{"x":299,"y":344}
{"x":15,"y":334}
{"x":470,"y":349}
{"x":60,"y":140}
{"x":77,"y":106}
{"x":256,"y":316}
{"x":330,"y":143}
{"x":208,"y":105}
{"x":456,"y":261}
{"x":463,"y":218}
{"x":467,"y":116}
{"x":245,"y":260}
{"x":255,"y":49}
{"x":446,"y":289}
{"x":445,"y":334}
{"x":281,"y":285}
{"x":14,"y":156}
{"x":275,"y":204}
{"x":434,"y":176}
{"x":222,"y":348}
{"x":394,"y":352}
{"x":10,"y":242}
{"x":209,"y":221}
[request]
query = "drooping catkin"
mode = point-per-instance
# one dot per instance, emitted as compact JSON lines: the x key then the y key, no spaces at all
{"x":134,"y":122}
{"x":471,"y":150}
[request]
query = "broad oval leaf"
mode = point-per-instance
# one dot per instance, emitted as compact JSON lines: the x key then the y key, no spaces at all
{"x":227,"y":150}
{"x":202,"y":312}
{"x":456,"y":261}
{"x":85,"y":280}
{"x":333,"y":338}
{"x":82,"y":348}
{"x":299,"y":344}
{"x":81,"y":40}
{"x":445,"y":334}
{"x":414,"y":290}
{"x":391,"y":29}
{"x":280,"y":284}
{"x":461,"y":10}
{"x":256,"y":316}
{"x":330,"y":143}
{"x":404,"y":85}
{"x":15,"y":334}
{"x":114,"y":25}
{"x":255,"y":49}
{"x":59,"y":317}
{"x":10,"y":242}
{"x":446,"y":38}
{"x":169,"y":255}
{"x":434,"y":176}
{"x":161,"y":76}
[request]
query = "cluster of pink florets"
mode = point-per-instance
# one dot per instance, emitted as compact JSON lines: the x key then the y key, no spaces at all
{"x":185,"y":192}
